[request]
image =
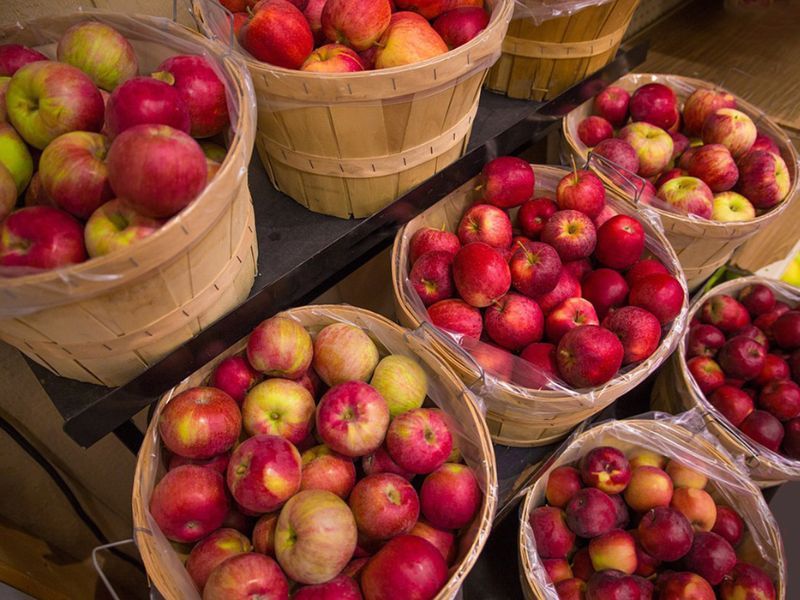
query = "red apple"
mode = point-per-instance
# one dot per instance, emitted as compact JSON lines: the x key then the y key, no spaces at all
{"x":278,"y":34}
{"x":592,"y":130}
{"x":352,"y":418}
{"x":660,"y":294}
{"x":557,"y":569}
{"x":571,"y":233}
{"x":649,"y":488}
{"x":696,"y":505}
{"x":218,"y":463}
{"x":431,"y":277}
{"x":676,"y":585}
{"x":707,"y":373}
{"x":341,"y":587}
{"x":450,"y":496}
{"x":725,"y":312}
{"x":507,"y":181}
{"x":145,"y":101}
{"x":570,"y":314}
{"x":324,"y":469}
{"x":643,"y":268}
{"x":731,"y":128}
{"x":606,"y":289}
{"x":115,"y":226}
{"x":562,"y":484}
{"x":653,"y":146}
{"x":234,"y":376}
{"x":579,"y":269}
{"x":781,"y":398}
{"x":612,"y":585}
{"x":669,"y":175}
{"x":264,"y":472}
{"x":589,"y":513}
{"x":100,"y":51}
{"x":615,"y":550}
{"x":247,"y":576}
{"x":654,"y":103}
{"x":485,"y":223}
{"x":443,"y":540}
{"x":313,"y":14}
{"x":264,"y":534}
{"x":714,"y":164}
{"x":742,"y":357}
{"x":757,"y":299}
{"x":638,"y":330}
{"x":210,"y":552}
{"x":514,"y":321}
{"x":621,"y":154}
{"x":791,"y":440}
{"x":786,"y":330}
{"x":582,"y":191}
{"x":734,"y":404}
{"x":582,"y":565}
{"x":14,"y":56}
{"x":356,"y":23}
{"x":343,"y":353}
{"x":419,"y":440}
{"x":612,"y":105}
{"x":280,"y":347}
{"x":553,"y":537}
{"x":589,"y":356}
{"x":711,"y":557}
{"x":40,"y":237}
{"x":333,"y":58}
{"x":688,"y":195}
{"x":408,"y":39}
{"x":460,"y":25}
{"x":605,"y":468}
{"x":480,"y":274}
{"x":535,"y":268}
{"x":665,"y":534}
{"x":189,"y":503}
{"x":747,"y":581}
{"x":428,"y":239}
{"x":384,"y":505}
{"x":704,"y":340}
{"x":567,"y":286}
{"x":457,"y":316}
{"x":544,"y":370}
{"x":702,"y":103}
{"x":766,"y":143}
{"x":620,"y":242}
{"x":407,"y":567}
{"x":680,"y":143}
{"x":380,"y":462}
{"x":763,"y":428}
{"x":729,"y":525}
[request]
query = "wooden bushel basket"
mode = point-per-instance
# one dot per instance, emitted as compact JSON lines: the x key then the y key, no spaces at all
{"x":761,"y":544}
{"x":701,"y":245}
{"x":348,"y":144}
{"x":164,"y":565}
{"x":541,"y":61}
{"x":107,"y":319}
{"x":674,"y":391}
{"x":519,"y":416}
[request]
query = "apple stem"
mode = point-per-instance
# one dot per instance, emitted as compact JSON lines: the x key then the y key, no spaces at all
{"x":164,"y":76}
{"x":574,"y":167}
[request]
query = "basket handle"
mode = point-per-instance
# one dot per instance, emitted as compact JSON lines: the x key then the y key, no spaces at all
{"x":198,"y":19}
{"x":99,"y":569}
{"x":751,"y":459}
{"x":427,"y":333}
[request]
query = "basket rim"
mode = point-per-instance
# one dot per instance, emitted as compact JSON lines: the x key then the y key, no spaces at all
{"x":227,"y":168}
{"x":500,"y":17}
{"x":783,"y":142}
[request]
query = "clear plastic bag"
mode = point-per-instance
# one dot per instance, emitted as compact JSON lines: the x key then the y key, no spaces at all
{"x":165,"y":566}
{"x":682,"y":438}
{"x":544,"y":10}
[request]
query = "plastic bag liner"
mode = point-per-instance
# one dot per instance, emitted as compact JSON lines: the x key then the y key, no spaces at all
{"x":164,"y":566}
{"x":544,"y":10}
{"x":498,"y":370}
{"x":154,"y":39}
{"x":287,"y":89}
{"x":761,"y":462}
{"x":682,"y":438}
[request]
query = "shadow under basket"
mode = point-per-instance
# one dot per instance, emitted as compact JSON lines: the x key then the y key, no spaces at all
{"x":541,"y":61}
{"x":349,"y":144}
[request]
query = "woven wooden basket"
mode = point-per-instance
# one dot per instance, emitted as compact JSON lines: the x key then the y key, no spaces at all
{"x":520,"y":416}
{"x":702,"y":246}
{"x":674,"y":391}
{"x":109,"y":318}
{"x":673,"y":441}
{"x":541,"y":61}
{"x":163,"y":564}
{"x":350,"y":144}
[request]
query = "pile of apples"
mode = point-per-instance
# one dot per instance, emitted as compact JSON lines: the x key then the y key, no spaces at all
{"x":744,"y":356}
{"x":345,"y":36}
{"x":640,"y":527}
{"x":357,"y":488}
{"x":101,"y":155}
{"x":708,"y":160}
{"x":566,"y":283}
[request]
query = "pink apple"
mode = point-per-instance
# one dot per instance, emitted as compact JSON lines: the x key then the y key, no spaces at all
{"x":235,"y":376}
{"x":280,"y":347}
{"x":432,"y":278}
{"x":621,"y":154}
{"x":485,"y":223}
{"x":571,"y":233}
{"x":688,"y":195}
{"x":408,"y":39}
{"x":714,"y":164}
{"x":620,"y":242}
{"x":763,"y":178}
{"x":571,"y":313}
{"x":582,"y":191}
{"x":189,"y":503}
{"x":279,"y":407}
{"x":14,"y":56}
{"x":333,"y":58}
{"x":731,"y":128}
{"x":450,"y":496}
{"x":40,"y":237}
{"x":592,"y":130}
{"x":419,"y":440}
{"x":356,"y":23}
{"x":247,"y":576}
{"x":344,"y":352}
{"x":533,"y":214}
{"x":655,"y":103}
{"x":700,"y":105}
{"x":384,"y":505}
{"x":100,"y":51}
{"x":352,"y":418}
{"x":324,"y":469}
{"x":480,"y":274}
{"x":457,"y":316}
{"x":589,"y":356}
{"x":278,"y":34}
{"x":428,"y":239}
{"x":612,"y":104}
{"x":514,"y":321}
{"x":653,"y":146}
{"x":507,"y":182}
{"x":460,"y":25}
{"x":210,"y":552}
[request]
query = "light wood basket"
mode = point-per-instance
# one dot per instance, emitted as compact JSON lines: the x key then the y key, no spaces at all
{"x":673,"y":441}
{"x":674,"y":391}
{"x":702,"y":245}
{"x":519,"y":416}
{"x":541,"y":61}
{"x":164,"y":565}
{"x":350,"y":144}
{"x":107,"y":319}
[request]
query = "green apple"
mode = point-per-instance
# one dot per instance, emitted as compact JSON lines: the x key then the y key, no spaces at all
{"x":15,"y":157}
{"x":8,"y":192}
{"x":3,"y":87}
{"x":401,"y":382}
{"x":792,"y":273}
{"x":214,"y":151}
{"x":100,"y":51}
{"x":730,"y":206}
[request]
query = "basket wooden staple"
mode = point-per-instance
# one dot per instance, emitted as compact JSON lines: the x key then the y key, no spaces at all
{"x":541,"y":61}
{"x":702,"y":246}
{"x":520,"y":416}
{"x":164,"y":565}
{"x":350,"y":144}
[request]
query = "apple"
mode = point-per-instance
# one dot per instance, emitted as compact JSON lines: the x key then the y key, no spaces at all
{"x":485,"y":223}
{"x":408,"y":39}
{"x":280,"y":347}
{"x":665,"y":533}
{"x":711,"y":557}
{"x":611,"y":585}
{"x":562,"y":484}
{"x":725,"y":312}
{"x":696,"y":505}
{"x":278,"y":33}
{"x":661,"y":295}
{"x":746,"y":581}
{"x":356,"y":23}
{"x":605,"y":468}
{"x":655,"y":103}
{"x":582,"y":191}
{"x":730,"y":206}
{"x":264,"y":472}
{"x":734,"y":404}
{"x":324,"y":469}
{"x":557,"y":569}
{"x":406,"y":567}
{"x":235,"y":376}
{"x":766,"y":143}
{"x":352,"y":418}
{"x":781,"y":398}
{"x":460,"y":25}
{"x":480,"y":274}
{"x":775,"y":367}
{"x":682,"y":584}
{"x":621,"y":154}
{"x":649,"y":487}
{"x":553,"y":536}
{"x":40,"y":237}
{"x":14,"y":56}
{"x":145,"y":101}
{"x":341,"y":587}
{"x":545,"y":369}
{"x":333,"y":58}
{"x":450,"y":496}
{"x":642,"y":268}
{"x":211,"y":551}
{"x":342,"y":353}
{"x":100,"y":51}
{"x":764,"y":178}
{"x":419,"y":440}
{"x":729,"y":525}
{"x":704,"y":340}
{"x":535,"y":268}
{"x":201,"y":91}
{"x":606,"y":289}
{"x":571,"y":233}
{"x":279,"y":407}
{"x":457,"y":316}
{"x":385,"y":505}
{"x":45,"y":99}
{"x":401,"y":381}
{"x":612,"y":105}
{"x":641,"y":457}
{"x":507,"y":181}
{"x":114,"y":226}
{"x":638,"y":330}
{"x":615,"y":550}
{"x":688,"y":195}
{"x":588,"y":356}
{"x":669,"y":175}
{"x":731,"y":128}
{"x":623,"y":514}
{"x":620,"y":242}
{"x":157,"y":169}
{"x":579,"y":269}
{"x":264,"y":534}
{"x":680,"y":143}
{"x":791,"y":440}
{"x":200,"y":422}
{"x":757,"y":298}
{"x":246,"y":576}
{"x":742,"y":357}
{"x":590,"y":513}
{"x":593,"y":129}
{"x":702,"y":103}
{"x":313,"y":14}
{"x":582,"y":564}
{"x":428,"y":239}
{"x":443,"y":540}
{"x":380,"y":462}
{"x":653,"y":146}
{"x":514,"y":321}
{"x":714,"y":164}
{"x":15,"y":157}
{"x":570,"y":314}
{"x":567,"y":286}
{"x":189,"y":503}
{"x":765,"y":429}
{"x":432,"y":278}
